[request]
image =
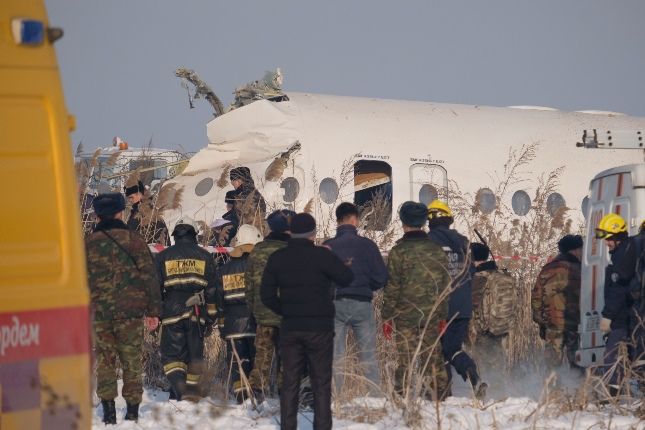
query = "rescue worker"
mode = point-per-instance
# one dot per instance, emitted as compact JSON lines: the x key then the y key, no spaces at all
{"x":460,"y":304}
{"x":637,"y":290}
{"x":267,"y":333}
{"x":489,"y":348}
{"x":555,"y":302}
{"x":618,"y":301}
{"x":239,"y":326}
{"x":187,"y":275}
{"x":354,"y":303}
{"x":124,"y":290}
{"x":144,"y":217}
{"x":297,"y":284}
{"x":418,"y":280}
{"x":249,"y":204}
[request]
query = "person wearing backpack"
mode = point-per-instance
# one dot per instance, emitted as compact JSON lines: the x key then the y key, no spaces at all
{"x":555,"y":302}
{"x":494,"y":309}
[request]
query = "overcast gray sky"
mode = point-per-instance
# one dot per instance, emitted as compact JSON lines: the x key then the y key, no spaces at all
{"x":118,"y":57}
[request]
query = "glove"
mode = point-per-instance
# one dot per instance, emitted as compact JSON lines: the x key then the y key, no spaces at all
{"x":605,"y":325}
{"x":443,"y":325}
{"x":388,"y":329}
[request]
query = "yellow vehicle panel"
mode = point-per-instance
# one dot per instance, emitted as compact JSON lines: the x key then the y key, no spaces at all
{"x":44,"y":316}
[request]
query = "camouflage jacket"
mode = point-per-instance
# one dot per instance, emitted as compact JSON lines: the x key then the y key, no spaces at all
{"x":253,"y":276}
{"x":418,"y":276}
{"x":121,"y":274}
{"x":555,"y":299}
{"x":250,"y":206}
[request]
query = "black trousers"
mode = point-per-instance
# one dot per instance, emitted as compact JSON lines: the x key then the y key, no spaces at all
{"x":244,"y":349}
{"x":315,"y":350}
{"x":182,"y":356}
{"x":451,"y":343}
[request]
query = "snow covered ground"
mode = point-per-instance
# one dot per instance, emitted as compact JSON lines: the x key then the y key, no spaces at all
{"x":455,"y":413}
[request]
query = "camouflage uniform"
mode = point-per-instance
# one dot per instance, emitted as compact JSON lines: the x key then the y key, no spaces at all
{"x":418,"y":276}
{"x":123,"y":289}
{"x":487,"y":349}
{"x":268,"y":323}
{"x":555,"y":302}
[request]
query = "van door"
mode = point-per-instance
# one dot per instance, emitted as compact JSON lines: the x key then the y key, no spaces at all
{"x":428,"y":182}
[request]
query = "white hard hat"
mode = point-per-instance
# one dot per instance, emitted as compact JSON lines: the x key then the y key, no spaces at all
{"x":246,"y":235}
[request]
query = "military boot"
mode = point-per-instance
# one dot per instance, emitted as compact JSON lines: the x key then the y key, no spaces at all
{"x":132,"y":413}
{"x":109,"y":411}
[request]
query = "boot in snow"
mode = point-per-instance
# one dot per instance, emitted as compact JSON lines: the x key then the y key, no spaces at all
{"x":133,"y":412}
{"x":109,"y":411}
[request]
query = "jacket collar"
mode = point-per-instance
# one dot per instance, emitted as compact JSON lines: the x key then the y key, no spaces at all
{"x":570,"y":258}
{"x":346,"y":229}
{"x":487,"y":265}
{"x":109,"y":224}
{"x":278,"y":237}
{"x":300,"y":243}
{"x":415,"y":235}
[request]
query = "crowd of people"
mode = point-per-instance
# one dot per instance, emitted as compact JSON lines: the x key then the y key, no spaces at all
{"x":284,"y":305}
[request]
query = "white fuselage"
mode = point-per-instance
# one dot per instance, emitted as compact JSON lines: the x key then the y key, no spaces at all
{"x":420,"y":141}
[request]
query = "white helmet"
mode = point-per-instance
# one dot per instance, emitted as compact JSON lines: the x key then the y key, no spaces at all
{"x":246,"y":235}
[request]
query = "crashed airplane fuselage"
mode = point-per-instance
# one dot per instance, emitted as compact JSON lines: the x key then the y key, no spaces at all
{"x":337,"y":149}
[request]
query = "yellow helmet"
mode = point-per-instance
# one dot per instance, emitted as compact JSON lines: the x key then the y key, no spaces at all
{"x":610,"y":225}
{"x":438,"y":209}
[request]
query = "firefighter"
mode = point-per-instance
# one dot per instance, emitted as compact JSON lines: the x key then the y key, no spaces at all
{"x":612,"y":228}
{"x":187,"y":273}
{"x":460,"y":303}
{"x":239,"y":326}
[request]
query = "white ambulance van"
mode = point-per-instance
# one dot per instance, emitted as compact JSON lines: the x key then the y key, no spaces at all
{"x":620,"y":190}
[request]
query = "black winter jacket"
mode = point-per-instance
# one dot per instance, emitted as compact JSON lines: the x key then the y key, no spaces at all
{"x":231,"y":299}
{"x":456,"y":248}
{"x":364,"y":258}
{"x":618,"y":300}
{"x":185,"y":269}
{"x":297,"y":284}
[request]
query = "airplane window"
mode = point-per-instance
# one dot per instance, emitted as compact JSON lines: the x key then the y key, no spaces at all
{"x":521,"y":202}
{"x":486,"y":200}
{"x":291,"y":189}
{"x":554,"y":203}
{"x":204,"y":186}
{"x":373,"y":193}
{"x":328,"y":190}
{"x":427,"y":194}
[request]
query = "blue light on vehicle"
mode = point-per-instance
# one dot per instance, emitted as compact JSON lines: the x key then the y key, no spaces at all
{"x":28,"y":31}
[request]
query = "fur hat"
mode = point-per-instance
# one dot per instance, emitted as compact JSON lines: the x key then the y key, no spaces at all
{"x":279,"y":220}
{"x":137,"y":188}
{"x":413,"y":214}
{"x":303,"y":226}
{"x":108,"y":204}
{"x":242,"y":173}
{"x":569,"y":243}
{"x":479,"y":251}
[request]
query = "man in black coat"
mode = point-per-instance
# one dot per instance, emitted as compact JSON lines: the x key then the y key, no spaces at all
{"x":298,"y":285}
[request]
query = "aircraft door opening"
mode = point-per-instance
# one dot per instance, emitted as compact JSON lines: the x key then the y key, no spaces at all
{"x":428,"y":182}
{"x":373,"y":193}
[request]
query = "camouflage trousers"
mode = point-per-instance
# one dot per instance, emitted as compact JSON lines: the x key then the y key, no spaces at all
{"x":435,"y":377}
{"x":120,"y":339}
{"x":266,"y":348}
{"x":559,"y":346}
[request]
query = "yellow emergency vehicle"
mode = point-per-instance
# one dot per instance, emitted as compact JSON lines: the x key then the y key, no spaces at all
{"x":44,"y":316}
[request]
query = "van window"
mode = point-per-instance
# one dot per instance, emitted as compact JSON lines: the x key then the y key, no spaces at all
{"x":373,"y":193}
